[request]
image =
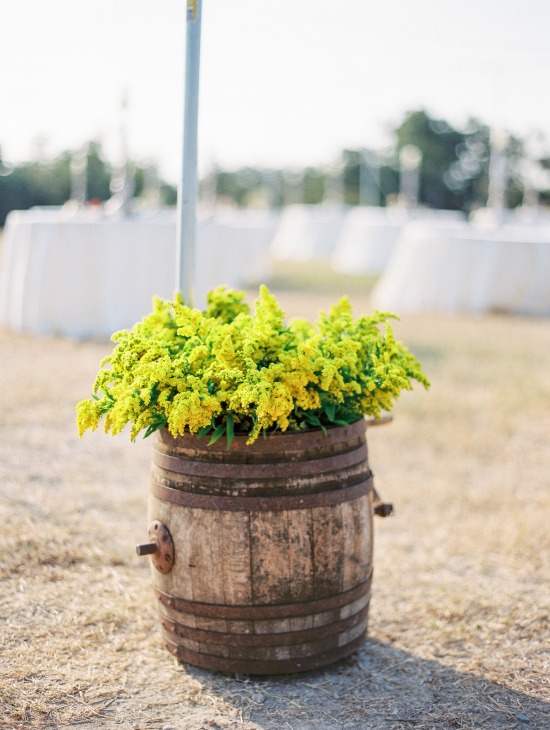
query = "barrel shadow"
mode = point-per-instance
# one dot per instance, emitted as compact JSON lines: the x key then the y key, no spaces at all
{"x":379,"y":687}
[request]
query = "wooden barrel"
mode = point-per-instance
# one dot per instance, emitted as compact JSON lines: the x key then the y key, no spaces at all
{"x":272,"y":562}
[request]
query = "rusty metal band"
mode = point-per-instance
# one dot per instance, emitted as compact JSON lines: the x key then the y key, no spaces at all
{"x":265,"y":611}
{"x":288,"y":638}
{"x":262,"y":504}
{"x":251,"y":666}
{"x":287,"y":441}
{"x":180,"y":465}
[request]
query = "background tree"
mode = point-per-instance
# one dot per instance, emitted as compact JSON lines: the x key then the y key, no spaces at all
{"x":313,"y":186}
{"x":48,"y":182}
{"x":453,"y":174}
{"x":98,"y":174}
{"x":449,"y":164}
{"x":35,"y":183}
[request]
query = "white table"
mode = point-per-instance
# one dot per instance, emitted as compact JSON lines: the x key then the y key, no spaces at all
{"x":464,"y":268}
{"x":86,"y":275}
{"x":307,"y":232}
{"x":369,"y":236}
{"x":367,"y":240}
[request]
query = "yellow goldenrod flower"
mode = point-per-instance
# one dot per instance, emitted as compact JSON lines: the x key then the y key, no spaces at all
{"x":228,"y":367}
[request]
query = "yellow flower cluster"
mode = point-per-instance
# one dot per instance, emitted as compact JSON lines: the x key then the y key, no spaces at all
{"x":229,"y":370}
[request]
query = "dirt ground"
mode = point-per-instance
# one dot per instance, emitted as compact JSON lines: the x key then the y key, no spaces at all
{"x":459,"y":615}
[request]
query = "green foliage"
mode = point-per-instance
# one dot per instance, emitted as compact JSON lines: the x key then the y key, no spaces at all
{"x":168,"y":194}
{"x":35,"y":183}
{"x":229,"y":370}
{"x":453,"y":174}
{"x":98,"y":174}
{"x":454,"y":170}
{"x":237,"y":185}
{"x":313,"y":186}
{"x":49,"y":183}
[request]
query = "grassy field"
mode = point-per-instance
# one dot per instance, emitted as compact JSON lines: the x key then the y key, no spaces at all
{"x":459,"y":615}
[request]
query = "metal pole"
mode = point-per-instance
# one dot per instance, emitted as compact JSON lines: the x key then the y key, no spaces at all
{"x":188,"y":187}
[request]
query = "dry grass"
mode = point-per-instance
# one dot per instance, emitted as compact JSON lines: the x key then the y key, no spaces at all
{"x":459,"y":618}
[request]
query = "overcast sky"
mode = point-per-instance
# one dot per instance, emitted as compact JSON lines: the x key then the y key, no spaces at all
{"x":283,"y":82}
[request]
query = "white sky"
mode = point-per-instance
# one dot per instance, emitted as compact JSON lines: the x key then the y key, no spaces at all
{"x":283,"y":82}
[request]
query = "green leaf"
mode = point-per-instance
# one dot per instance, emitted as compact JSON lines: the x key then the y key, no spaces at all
{"x":312,"y":419}
{"x":154,"y":427}
{"x":107,"y":394}
{"x":230,"y":429}
{"x":330,"y":410}
{"x":218,"y":433}
{"x":204,"y":431}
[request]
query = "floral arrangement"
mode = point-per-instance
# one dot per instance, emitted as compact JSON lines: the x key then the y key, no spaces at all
{"x":228,"y":370}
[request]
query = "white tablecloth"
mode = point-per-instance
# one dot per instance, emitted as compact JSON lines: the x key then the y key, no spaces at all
{"x":307,"y":232}
{"x":87,"y":276}
{"x":369,"y":236}
{"x":468,"y":269}
{"x":367,"y":240}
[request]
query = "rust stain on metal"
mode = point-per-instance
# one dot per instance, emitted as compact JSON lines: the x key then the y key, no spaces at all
{"x":264,"y":471}
{"x":380,"y":508}
{"x":248,"y":666}
{"x":268,"y":611}
{"x":295,"y":443}
{"x":288,"y":638}
{"x":261,"y":504}
{"x":160,"y":547}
